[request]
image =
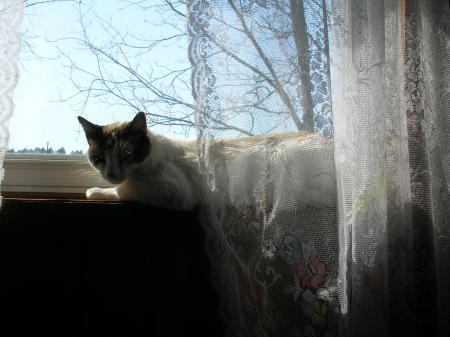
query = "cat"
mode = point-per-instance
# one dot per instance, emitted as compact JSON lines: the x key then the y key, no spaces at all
{"x":288,"y":168}
{"x":147,"y":166}
{"x":282,"y":170}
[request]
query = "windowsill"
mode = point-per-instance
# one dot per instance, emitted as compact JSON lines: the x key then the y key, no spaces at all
{"x":8,"y":195}
{"x":58,"y":176}
{"x":83,"y":204}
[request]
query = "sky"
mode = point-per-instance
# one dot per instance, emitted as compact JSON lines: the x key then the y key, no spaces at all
{"x":45,"y":117}
{"x":41,"y":116}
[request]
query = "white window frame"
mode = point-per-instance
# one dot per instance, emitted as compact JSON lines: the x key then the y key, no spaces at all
{"x":39,"y":173}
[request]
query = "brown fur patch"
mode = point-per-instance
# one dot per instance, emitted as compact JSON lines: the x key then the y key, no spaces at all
{"x":233,"y":146}
{"x":111,"y":130}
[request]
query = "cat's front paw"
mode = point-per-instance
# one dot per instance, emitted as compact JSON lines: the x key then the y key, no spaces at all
{"x":97,"y":193}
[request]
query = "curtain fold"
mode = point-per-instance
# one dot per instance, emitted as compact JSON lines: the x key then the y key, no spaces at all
{"x":364,"y":253}
{"x":11,"y":12}
{"x":342,"y":230}
{"x":391,"y":122}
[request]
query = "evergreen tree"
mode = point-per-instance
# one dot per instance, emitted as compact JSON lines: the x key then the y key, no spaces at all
{"x":61,"y":151}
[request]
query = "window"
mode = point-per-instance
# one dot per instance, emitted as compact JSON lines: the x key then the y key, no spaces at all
{"x":104,"y":61}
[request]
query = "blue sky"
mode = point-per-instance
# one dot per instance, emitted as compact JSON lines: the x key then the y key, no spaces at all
{"x":42,"y":116}
{"x":39,"y":116}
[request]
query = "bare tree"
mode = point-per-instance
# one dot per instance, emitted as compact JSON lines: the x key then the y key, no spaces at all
{"x":290,"y":85}
{"x":290,"y":76}
{"x":297,"y":11}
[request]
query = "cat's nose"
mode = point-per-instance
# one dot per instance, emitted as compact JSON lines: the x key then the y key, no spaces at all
{"x":111,"y":175}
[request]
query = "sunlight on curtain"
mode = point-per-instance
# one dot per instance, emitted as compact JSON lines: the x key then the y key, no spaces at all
{"x":312,"y":235}
{"x":391,"y":123}
{"x":11,"y":12}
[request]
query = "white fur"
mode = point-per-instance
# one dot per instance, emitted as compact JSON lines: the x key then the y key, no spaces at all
{"x":302,"y":170}
{"x":168,"y":178}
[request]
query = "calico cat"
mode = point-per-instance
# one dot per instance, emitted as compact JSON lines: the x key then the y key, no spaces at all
{"x":293,"y":167}
{"x":146,"y":166}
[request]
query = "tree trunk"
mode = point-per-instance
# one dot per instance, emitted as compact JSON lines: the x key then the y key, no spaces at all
{"x":326,"y":42}
{"x":304,"y":58}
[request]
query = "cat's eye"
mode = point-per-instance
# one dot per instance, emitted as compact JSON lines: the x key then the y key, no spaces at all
{"x":96,"y":160}
{"x":125,"y":156}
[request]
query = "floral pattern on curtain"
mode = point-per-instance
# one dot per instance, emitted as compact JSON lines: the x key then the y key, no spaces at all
{"x":11,"y":12}
{"x":291,"y":255}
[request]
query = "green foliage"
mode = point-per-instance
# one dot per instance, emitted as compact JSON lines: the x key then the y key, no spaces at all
{"x":61,"y":151}
{"x":43,"y":150}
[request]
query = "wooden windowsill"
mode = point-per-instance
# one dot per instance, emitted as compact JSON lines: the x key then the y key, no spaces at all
{"x":59,"y":175}
{"x":43,"y":195}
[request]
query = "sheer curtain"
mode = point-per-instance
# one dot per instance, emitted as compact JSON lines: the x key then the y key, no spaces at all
{"x":391,"y":115}
{"x":344,"y":232}
{"x":10,"y":18}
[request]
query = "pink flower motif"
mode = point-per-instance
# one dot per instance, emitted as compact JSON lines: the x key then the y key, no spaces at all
{"x":312,"y":273}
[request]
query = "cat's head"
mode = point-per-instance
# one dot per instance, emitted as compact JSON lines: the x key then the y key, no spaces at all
{"x":117,"y":150}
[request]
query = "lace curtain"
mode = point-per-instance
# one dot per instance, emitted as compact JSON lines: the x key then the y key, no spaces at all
{"x":10,"y":18}
{"x":345,"y":231}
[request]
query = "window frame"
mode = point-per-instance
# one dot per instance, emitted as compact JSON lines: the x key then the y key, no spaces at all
{"x":49,"y":174}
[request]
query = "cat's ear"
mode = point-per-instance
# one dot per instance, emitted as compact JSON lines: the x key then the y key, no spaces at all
{"x":92,"y":130}
{"x":139,"y":122}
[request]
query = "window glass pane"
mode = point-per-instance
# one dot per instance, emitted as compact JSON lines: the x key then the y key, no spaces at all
{"x":104,"y":60}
